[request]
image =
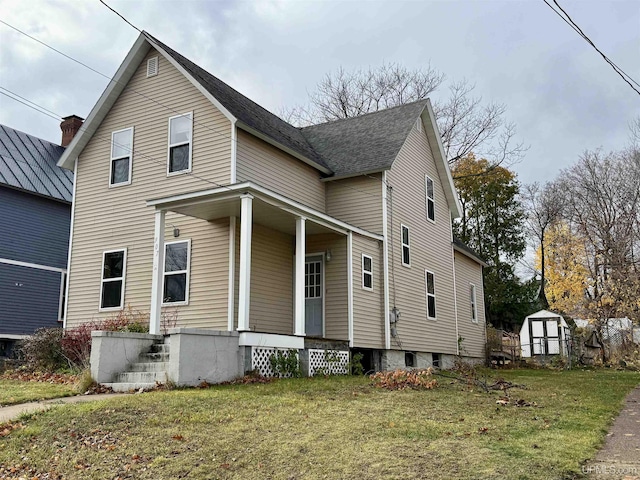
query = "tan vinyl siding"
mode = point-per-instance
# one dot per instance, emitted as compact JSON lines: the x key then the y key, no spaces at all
{"x":469,"y":272}
{"x":357,"y":201}
{"x":276,"y":170}
{"x":368,"y":306}
{"x":271,"y":308}
{"x":430,"y":250}
{"x":108,"y":218}
{"x":335,"y":283}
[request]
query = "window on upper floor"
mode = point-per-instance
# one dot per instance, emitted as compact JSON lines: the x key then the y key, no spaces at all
{"x":180,"y":143}
{"x":431,"y":294}
{"x":430,"y":198}
{"x":177,"y":259}
{"x":112,"y":282}
{"x":474,"y":307}
{"x":121,"y":157}
{"x":406,"y":249}
{"x":367,"y":272}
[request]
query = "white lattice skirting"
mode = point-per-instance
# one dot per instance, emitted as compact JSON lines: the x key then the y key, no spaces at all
{"x":328,"y":362}
{"x":260,"y":359}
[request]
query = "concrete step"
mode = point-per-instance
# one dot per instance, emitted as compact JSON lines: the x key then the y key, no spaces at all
{"x":141,"y":377}
{"x":148,"y":367}
{"x":153,"y":357}
{"x":159,"y":348}
{"x":127,"y":387}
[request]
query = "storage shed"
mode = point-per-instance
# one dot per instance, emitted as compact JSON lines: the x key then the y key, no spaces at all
{"x":544,"y":333}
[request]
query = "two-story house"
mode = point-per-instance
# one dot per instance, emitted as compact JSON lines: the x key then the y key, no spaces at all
{"x":192,"y":201}
{"x":35,"y":207}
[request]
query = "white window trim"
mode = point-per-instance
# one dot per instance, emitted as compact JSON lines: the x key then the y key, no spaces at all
{"x":187,"y":271}
{"x":169,"y":145}
{"x":63,"y":286}
{"x":426,"y":289}
{"x":427,"y":178}
{"x":123,"y":278}
{"x":474,"y":303}
{"x":370,"y":272}
{"x":112,"y":158}
{"x":402,"y":245}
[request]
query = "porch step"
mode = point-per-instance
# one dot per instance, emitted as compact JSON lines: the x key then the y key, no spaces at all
{"x":147,"y":372}
{"x":148,"y":367}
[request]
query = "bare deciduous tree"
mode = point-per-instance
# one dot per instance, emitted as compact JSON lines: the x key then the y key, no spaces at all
{"x":603,"y":200}
{"x":466,"y":123}
{"x":544,"y":207}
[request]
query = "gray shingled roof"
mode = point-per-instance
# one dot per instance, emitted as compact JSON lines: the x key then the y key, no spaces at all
{"x":366,"y":143}
{"x":349,"y":146}
{"x":467,"y":249}
{"x":29,"y":163}
{"x":244,"y":109}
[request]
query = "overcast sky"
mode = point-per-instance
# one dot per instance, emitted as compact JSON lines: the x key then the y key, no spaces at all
{"x":559,"y":92}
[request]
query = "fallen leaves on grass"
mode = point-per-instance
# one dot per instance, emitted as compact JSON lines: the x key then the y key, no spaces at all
{"x":7,"y":428}
{"x":46,"y":377}
{"x":401,"y":379}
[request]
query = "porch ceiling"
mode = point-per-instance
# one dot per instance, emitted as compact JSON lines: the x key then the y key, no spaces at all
{"x":263,"y":214}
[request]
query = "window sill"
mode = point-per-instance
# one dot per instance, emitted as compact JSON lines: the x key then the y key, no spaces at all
{"x":121,"y":184}
{"x":179,"y":172}
{"x":111,"y":309}
{"x":175,"y":304}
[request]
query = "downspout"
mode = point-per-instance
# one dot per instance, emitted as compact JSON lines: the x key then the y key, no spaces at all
{"x":385,"y":241}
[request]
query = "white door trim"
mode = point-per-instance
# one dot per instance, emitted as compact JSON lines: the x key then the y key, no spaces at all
{"x":322,"y":286}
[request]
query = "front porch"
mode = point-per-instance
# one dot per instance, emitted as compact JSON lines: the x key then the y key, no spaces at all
{"x":290,"y":267}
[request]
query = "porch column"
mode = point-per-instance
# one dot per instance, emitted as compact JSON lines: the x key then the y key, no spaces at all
{"x":244,"y":295}
{"x":156,"y":278}
{"x":299,"y":281}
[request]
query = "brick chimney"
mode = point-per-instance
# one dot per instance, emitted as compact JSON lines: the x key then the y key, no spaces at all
{"x":70,"y":126}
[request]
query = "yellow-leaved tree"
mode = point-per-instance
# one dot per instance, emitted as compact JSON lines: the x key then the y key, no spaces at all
{"x":567,"y":275}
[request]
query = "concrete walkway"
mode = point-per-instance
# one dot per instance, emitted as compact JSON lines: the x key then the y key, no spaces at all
{"x":620,"y":456}
{"x":12,"y":412}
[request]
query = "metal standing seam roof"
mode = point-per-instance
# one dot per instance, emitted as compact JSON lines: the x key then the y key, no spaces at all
{"x":29,"y":163}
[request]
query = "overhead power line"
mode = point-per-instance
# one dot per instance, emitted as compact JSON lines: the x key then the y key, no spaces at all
{"x":569,"y":21}
{"x":122,"y":17}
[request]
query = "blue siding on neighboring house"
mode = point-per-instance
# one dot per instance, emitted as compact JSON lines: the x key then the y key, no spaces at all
{"x":33,"y":229}
{"x":29,"y":299}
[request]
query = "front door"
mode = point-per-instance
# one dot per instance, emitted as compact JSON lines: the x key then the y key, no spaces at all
{"x":313,"y":293}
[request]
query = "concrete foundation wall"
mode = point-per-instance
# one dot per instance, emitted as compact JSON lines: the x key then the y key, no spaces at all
{"x":395,"y":359}
{"x":198,"y":356}
{"x":113,"y":352}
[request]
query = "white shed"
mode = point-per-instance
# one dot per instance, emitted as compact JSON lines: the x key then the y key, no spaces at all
{"x":544,"y":333}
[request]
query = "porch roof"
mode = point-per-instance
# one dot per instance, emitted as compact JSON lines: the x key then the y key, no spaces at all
{"x":271,"y":209}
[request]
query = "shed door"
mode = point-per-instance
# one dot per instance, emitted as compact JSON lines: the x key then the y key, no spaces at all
{"x":313,"y":293}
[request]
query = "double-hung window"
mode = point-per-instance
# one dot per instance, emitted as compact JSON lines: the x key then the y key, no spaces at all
{"x":180,"y":143}
{"x":474,"y":307}
{"x":121,"y":156}
{"x":406,"y":249}
{"x":431,"y":202}
{"x":177,"y":256}
{"x":112,"y":283}
{"x":367,"y":272}
{"x":431,"y":294}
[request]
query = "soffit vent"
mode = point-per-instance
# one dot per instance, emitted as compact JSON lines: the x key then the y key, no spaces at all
{"x":152,"y":67}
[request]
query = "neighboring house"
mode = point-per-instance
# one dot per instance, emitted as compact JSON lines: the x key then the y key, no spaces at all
{"x":192,"y":199}
{"x":35,"y":207}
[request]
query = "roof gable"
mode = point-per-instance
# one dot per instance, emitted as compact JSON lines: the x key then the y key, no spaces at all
{"x":366,"y":143}
{"x":29,"y":163}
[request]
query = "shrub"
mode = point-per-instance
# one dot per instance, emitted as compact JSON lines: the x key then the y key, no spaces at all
{"x":285,"y":364}
{"x":401,"y":379}
{"x":43,"y":350}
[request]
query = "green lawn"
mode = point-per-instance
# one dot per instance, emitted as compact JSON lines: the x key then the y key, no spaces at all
{"x":327,"y":428}
{"x":18,"y":391}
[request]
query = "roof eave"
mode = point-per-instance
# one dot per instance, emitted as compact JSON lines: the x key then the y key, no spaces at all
{"x":356,"y":174}
{"x":105,"y":102}
{"x":433,"y":134}
{"x":278,"y":145}
{"x":468,"y":254}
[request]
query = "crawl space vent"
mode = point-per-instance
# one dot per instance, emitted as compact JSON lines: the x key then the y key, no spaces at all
{"x":152,"y":67}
